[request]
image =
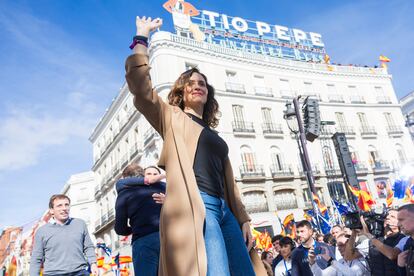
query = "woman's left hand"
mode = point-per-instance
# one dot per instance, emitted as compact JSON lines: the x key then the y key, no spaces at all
{"x":247,"y":235}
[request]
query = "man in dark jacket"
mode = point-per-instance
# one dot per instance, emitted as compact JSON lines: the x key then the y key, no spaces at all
{"x":139,"y":201}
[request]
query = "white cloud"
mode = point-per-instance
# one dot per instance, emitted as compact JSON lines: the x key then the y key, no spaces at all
{"x":64,"y":88}
{"x":26,"y":134}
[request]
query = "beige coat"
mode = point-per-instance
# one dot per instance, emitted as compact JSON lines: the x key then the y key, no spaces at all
{"x":182,"y":217}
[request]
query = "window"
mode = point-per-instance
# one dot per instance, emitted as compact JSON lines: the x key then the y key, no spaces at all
{"x":255,"y":202}
{"x":373,"y":155}
{"x":337,"y":191}
{"x":284,"y":85}
{"x":267,"y":115}
{"x":363,"y":119}
{"x":379,"y":91}
{"x":259,"y":81}
{"x":238,"y":113}
{"x":231,"y":76}
{"x":308,"y":87}
{"x":402,"y":159}
{"x":285,"y":199}
{"x":276,"y":158}
{"x":389,"y":119}
{"x":327,"y":157}
{"x":331,"y":89}
{"x":248,"y":158}
{"x":340,"y":118}
{"x":352,"y":90}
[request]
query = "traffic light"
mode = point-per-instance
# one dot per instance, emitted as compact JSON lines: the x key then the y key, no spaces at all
{"x":312,"y":119}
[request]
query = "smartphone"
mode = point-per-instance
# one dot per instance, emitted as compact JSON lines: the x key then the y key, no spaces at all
{"x":318,"y":250}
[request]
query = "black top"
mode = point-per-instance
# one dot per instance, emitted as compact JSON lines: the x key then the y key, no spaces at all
{"x":209,"y":160}
{"x":135,"y":202}
{"x":380,"y":264}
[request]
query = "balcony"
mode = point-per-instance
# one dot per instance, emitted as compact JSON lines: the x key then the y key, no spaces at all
{"x":243,"y":128}
{"x":287,"y":94}
{"x":97,"y":225}
{"x":360,"y":168}
{"x":326,"y":132}
{"x":315,"y":171}
{"x":285,"y":173}
{"x":272,"y":130}
{"x":263,"y":91}
{"x":348,"y":130}
{"x":134,"y":151}
{"x":124,"y":161}
{"x":357,"y":99}
{"x":252,"y":172}
{"x":333,"y":171}
{"x":384,"y":100}
{"x":235,"y":87}
{"x":381,"y":166}
{"x":149,"y":137}
{"x":368,"y":132}
{"x":395,"y":131}
{"x":336,"y":98}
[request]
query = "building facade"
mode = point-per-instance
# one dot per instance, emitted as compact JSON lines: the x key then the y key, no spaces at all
{"x":252,"y":90}
{"x":407,"y":106}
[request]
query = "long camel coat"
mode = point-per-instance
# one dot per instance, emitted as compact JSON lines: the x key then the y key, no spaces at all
{"x":183,"y":251}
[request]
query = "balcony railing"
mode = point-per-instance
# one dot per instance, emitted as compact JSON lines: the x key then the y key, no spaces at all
{"x":235,"y":87}
{"x":263,"y":91}
{"x":336,"y":98}
{"x":124,"y":160}
{"x":243,"y":126}
{"x":333,"y":171}
{"x":383,"y":100}
{"x":394,"y":130}
{"x":381,"y":166}
{"x":111,"y":215}
{"x":315,"y":170}
{"x":368,"y":131}
{"x":357,"y":99}
{"x":346,"y":129}
{"x":149,"y":136}
{"x":284,"y":172}
{"x":97,"y":224}
{"x":287,"y":94}
{"x":271,"y":128}
{"x":134,"y":151}
{"x":360,"y":168}
{"x":252,"y":171}
{"x":327,"y":132}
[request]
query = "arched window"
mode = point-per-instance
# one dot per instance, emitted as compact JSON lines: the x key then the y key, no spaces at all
{"x":285,"y":199}
{"x":255,"y":202}
{"x":276,"y":158}
{"x":248,"y":158}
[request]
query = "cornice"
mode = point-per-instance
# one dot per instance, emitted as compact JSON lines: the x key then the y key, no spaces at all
{"x":164,"y":40}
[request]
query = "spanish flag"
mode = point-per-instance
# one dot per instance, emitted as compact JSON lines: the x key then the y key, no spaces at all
{"x":384,"y":58}
{"x":409,"y":195}
{"x":100,"y":262}
{"x":290,"y":226}
{"x":365,"y":200}
{"x":321,"y":206}
{"x":390,"y":198}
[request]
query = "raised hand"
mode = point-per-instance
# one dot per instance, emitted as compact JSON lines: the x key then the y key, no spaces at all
{"x":147,"y":25}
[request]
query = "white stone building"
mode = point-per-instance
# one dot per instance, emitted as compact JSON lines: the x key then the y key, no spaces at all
{"x":252,"y":90}
{"x":407,"y":106}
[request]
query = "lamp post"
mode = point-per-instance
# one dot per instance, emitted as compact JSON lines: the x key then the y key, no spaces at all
{"x":292,"y":114}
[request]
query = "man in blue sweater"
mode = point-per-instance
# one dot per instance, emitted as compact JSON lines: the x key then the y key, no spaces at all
{"x":300,"y":260}
{"x":139,"y":201}
{"x":62,"y":244}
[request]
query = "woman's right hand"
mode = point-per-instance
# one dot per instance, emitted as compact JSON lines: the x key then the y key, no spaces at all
{"x":147,"y":25}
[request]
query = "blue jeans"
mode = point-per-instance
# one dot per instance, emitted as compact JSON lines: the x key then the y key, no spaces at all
{"x":226,"y":250}
{"x":145,"y":254}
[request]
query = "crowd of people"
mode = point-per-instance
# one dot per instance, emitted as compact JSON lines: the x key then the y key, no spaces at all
{"x":195,"y":223}
{"x":344,"y":251}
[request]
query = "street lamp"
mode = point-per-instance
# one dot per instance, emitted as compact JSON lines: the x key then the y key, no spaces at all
{"x":292,"y":115}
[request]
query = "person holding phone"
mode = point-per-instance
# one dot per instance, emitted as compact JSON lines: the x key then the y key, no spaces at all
{"x":204,"y":227}
{"x":300,"y":262}
{"x":355,"y":266}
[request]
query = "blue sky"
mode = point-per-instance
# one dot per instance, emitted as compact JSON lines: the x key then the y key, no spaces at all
{"x":62,"y":64}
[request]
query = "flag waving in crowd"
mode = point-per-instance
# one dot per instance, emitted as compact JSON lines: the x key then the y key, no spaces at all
{"x":289,"y":226}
